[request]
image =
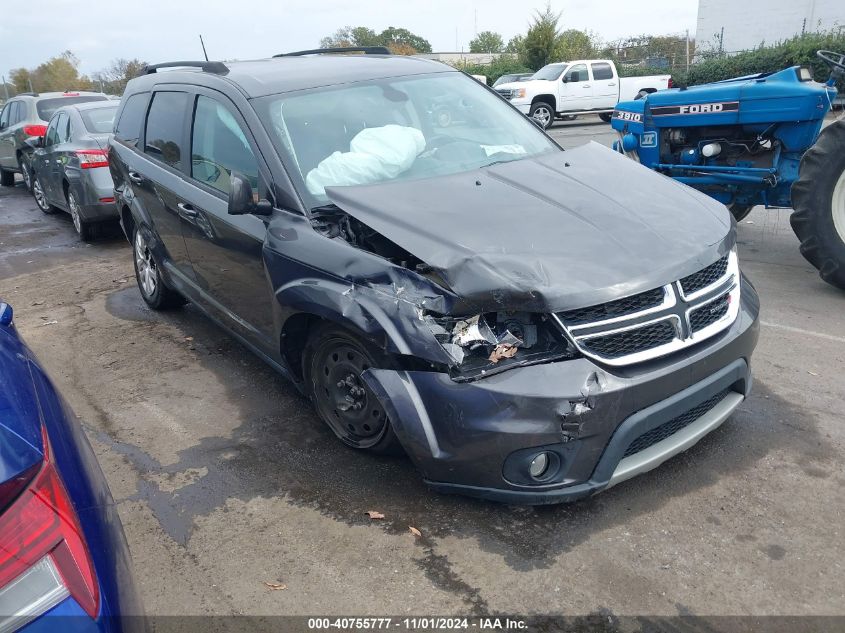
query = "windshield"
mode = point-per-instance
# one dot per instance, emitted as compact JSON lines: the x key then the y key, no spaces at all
{"x":99,"y":120}
{"x":551,"y":72}
{"x":388,"y":129}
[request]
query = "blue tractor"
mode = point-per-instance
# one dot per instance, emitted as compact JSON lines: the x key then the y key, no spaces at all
{"x":753,"y":140}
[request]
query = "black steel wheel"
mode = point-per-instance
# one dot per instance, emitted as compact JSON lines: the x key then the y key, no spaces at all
{"x":333,"y":362}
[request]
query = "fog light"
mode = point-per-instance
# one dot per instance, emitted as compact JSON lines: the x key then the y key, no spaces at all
{"x":539,"y":465}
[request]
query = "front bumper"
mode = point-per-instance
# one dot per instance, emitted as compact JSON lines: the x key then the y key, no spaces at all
{"x":478,"y":438}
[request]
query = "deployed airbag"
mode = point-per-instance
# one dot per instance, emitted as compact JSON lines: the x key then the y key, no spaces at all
{"x":376,"y":154}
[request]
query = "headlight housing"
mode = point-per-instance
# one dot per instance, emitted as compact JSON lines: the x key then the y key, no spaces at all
{"x":492,"y":342}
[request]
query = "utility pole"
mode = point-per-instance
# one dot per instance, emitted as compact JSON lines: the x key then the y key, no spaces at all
{"x":722,"y":42}
{"x":687,"y":51}
{"x":29,"y":80}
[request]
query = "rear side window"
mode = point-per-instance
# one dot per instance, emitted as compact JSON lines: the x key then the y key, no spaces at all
{"x":219,"y":147}
{"x":165,"y":126}
{"x":18,"y":113}
{"x":602,"y":71}
{"x":46,"y":107}
{"x":101,"y":120}
{"x":132,"y":118}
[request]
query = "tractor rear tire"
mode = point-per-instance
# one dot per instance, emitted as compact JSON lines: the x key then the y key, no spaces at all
{"x":818,"y":200}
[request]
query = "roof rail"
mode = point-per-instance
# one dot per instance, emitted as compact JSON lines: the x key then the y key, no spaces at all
{"x":25,"y":94}
{"x":217,"y":68}
{"x":367,"y":50}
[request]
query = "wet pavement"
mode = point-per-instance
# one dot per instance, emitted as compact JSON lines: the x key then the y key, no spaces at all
{"x":225,"y":479}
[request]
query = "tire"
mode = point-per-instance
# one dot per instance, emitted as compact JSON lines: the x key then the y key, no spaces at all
{"x":154,"y":291}
{"x":41,"y":197}
{"x":84,"y":229}
{"x":543,"y":113}
{"x":7,"y":178}
{"x":606,"y":116}
{"x":740,"y":211}
{"x":26,"y":173}
{"x":333,"y":361}
{"x":818,"y":200}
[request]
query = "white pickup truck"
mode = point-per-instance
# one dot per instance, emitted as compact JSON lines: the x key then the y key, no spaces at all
{"x":585,"y":86}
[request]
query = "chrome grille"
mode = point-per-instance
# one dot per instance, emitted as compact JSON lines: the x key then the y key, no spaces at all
{"x":657,"y":322}
{"x":505,"y":92}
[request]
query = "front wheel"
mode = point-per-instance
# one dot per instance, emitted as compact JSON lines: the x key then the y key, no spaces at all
{"x":818,"y":200}
{"x":153,"y":289}
{"x":333,"y":363}
{"x":543,"y":113}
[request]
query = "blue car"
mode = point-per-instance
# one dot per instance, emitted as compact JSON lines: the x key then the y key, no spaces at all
{"x":64,"y":561}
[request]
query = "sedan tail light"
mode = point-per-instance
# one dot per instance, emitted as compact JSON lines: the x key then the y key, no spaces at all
{"x":43,"y":554}
{"x":35,"y":130}
{"x":90,"y":158}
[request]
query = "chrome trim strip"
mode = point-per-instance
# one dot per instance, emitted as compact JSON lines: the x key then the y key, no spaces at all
{"x":658,"y":453}
{"x":732,"y":271}
{"x":669,"y":301}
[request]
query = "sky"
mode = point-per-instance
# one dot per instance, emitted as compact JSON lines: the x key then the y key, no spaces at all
{"x":98,"y":31}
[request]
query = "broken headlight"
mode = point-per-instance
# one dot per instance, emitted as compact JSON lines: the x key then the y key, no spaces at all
{"x":490,"y":342}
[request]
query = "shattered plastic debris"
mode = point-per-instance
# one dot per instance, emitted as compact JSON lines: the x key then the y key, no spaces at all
{"x":473,"y":332}
{"x":455,"y":352}
{"x":374,"y":514}
{"x":502,"y":351}
{"x":275,"y":586}
{"x":509,"y":338}
{"x":414,"y":531}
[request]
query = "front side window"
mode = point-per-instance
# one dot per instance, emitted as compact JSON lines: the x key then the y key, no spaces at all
{"x":388,"y":129}
{"x":576,"y":73}
{"x":602,"y":71}
{"x":219,"y":147}
{"x":165,"y":125}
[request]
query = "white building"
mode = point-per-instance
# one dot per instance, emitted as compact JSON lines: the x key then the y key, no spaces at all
{"x":747,"y":23}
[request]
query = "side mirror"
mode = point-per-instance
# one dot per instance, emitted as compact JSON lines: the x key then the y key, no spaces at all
{"x":565,"y":79}
{"x":242,"y":200}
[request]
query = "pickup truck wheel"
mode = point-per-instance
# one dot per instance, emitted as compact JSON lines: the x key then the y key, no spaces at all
{"x":543,"y":113}
{"x":333,"y":362}
{"x":606,"y":117}
{"x":818,"y":200}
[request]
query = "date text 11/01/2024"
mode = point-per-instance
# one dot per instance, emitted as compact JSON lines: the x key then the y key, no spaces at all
{"x":417,"y":624}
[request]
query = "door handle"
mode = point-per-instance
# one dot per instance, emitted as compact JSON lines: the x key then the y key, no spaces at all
{"x":138,"y":179}
{"x":586,"y":86}
{"x":186,"y":210}
{"x":612,"y":83}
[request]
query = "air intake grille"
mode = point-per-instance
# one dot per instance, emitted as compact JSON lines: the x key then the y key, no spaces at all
{"x":709,"y":313}
{"x":632,"y":341}
{"x":705,"y":277}
{"x":614,"y":309}
{"x":660,"y":433}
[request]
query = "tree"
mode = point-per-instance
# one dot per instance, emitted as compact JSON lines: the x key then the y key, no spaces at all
{"x":541,"y":39}
{"x":575,"y":44}
{"x":487,"y":42}
{"x":21,"y":78}
{"x":114,"y":78}
{"x":57,"y":73}
{"x":399,"y":41}
{"x":516,"y":44}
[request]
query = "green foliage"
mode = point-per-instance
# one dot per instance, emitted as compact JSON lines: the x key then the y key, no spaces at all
{"x":574,"y":44}
{"x":798,"y":51}
{"x":541,"y":40}
{"x":505,"y":65}
{"x":487,"y":42}
{"x":56,"y":74}
{"x":516,"y":44}
{"x":398,"y":40}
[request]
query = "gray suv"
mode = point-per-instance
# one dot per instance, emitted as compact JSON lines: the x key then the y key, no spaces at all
{"x":25,"y":116}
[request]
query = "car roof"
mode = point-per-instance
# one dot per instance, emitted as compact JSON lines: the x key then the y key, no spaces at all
{"x":53,"y":95}
{"x":258,"y":78}
{"x":94,"y":105}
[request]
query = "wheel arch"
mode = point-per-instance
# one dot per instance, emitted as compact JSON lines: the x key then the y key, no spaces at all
{"x":546,"y":98}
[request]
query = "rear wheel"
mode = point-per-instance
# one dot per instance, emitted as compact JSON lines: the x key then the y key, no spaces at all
{"x":26,"y":173}
{"x":7,"y":178}
{"x":41,"y":197}
{"x":818,"y":198}
{"x":543,"y":113}
{"x":83,"y":228}
{"x":606,"y":116}
{"x":333,"y":362}
{"x":153,"y":289}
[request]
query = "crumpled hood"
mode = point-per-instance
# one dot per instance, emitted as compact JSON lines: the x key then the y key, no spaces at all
{"x":560,"y":231}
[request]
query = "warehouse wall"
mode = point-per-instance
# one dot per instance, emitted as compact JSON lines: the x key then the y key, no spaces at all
{"x":747,"y":23}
